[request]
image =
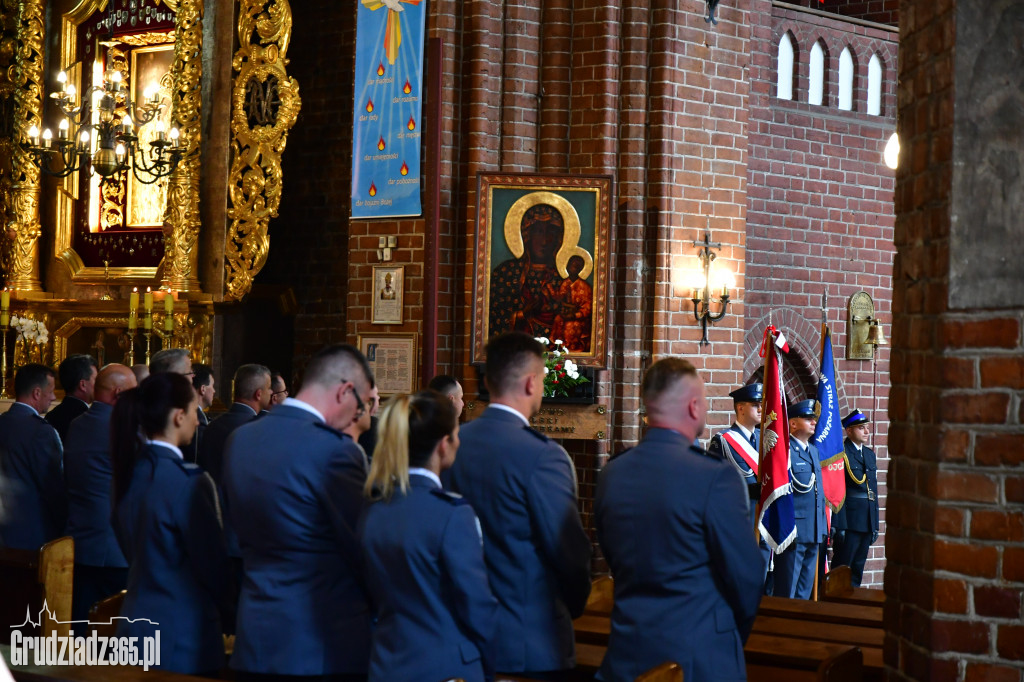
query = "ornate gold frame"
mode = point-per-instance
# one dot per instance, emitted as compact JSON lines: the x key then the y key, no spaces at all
{"x":497,"y":219}
{"x":255,"y":178}
{"x":67,"y":190}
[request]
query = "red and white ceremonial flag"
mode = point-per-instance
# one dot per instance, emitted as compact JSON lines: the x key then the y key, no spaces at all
{"x":775,"y":519}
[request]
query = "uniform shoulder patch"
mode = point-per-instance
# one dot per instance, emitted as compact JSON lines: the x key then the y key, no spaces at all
{"x":191,"y":469}
{"x":538,"y":434}
{"x":451,"y":498}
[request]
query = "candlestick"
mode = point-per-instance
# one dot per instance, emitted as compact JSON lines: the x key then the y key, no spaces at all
{"x":147,"y":300}
{"x":169,"y":302}
{"x":147,"y":321}
{"x":169,"y":322}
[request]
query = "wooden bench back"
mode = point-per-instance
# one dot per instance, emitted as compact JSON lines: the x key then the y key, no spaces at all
{"x":28,"y":580}
{"x":666,"y":672}
{"x":102,"y":614}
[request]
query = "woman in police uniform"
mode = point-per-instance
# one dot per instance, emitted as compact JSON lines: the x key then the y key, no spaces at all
{"x":168,"y":525}
{"x":423,"y":552}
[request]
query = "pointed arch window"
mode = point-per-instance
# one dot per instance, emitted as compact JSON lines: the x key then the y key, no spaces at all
{"x":875,"y":73}
{"x":846,"y":73}
{"x":784,"y":87}
{"x":816,"y":84}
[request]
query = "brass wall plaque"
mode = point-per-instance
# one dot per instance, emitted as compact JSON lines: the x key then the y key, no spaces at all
{"x":567,"y":422}
{"x":861,"y":311}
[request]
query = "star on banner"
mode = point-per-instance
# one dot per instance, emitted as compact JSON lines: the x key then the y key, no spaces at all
{"x":393,"y":31}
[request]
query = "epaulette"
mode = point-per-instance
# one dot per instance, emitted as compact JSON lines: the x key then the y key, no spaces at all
{"x":331,"y":429}
{"x":619,"y":454}
{"x":453,"y":499}
{"x":538,"y":434}
{"x":697,"y":449}
{"x":192,"y":469}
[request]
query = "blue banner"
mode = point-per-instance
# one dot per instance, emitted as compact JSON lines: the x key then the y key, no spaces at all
{"x":388,"y":107}
{"x":828,"y":434}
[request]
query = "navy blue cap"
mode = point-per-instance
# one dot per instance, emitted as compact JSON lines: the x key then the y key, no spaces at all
{"x":854,"y":418}
{"x":804,"y":409}
{"x":751,"y":393}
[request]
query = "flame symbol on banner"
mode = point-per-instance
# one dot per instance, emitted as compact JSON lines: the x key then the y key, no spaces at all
{"x":380,"y":69}
{"x":412,"y":123}
{"x":369,"y":106}
{"x":380,"y":144}
{"x":405,"y":168}
{"x":408,"y":88}
{"x":373,"y":190}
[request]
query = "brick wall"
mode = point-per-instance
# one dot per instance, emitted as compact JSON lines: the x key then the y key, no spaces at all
{"x":820,"y":214}
{"x":954,"y":578}
{"x":309,"y":240}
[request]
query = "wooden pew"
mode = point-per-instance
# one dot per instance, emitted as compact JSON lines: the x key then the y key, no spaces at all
{"x":775,"y":657}
{"x":102,"y":614}
{"x":821,"y":611}
{"x":30,"y":579}
{"x":838,"y":587}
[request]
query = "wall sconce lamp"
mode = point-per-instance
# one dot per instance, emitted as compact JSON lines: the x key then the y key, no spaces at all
{"x":385,"y":248}
{"x":703,"y":297}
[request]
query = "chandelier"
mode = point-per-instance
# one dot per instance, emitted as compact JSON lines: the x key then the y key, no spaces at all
{"x":92,"y":134}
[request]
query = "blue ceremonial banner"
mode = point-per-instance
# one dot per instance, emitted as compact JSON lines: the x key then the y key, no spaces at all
{"x":388,"y":106}
{"x":828,"y":434}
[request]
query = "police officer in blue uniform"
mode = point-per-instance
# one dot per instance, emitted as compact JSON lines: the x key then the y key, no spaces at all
{"x":739,"y":443}
{"x":423,"y":550}
{"x":522,"y":486}
{"x":672,"y":522}
{"x":168,"y":524}
{"x":33,"y":500}
{"x":856,"y":524}
{"x":294,"y":486}
{"x":795,"y":567}
{"x":100,"y":567}
{"x":77,"y":374}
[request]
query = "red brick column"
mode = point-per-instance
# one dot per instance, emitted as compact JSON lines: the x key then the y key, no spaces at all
{"x":955,"y":521}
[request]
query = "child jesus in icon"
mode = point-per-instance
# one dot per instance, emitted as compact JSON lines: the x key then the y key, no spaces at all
{"x":572,"y":324}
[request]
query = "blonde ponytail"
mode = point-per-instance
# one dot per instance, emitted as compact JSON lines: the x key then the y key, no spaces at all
{"x":390,"y":466}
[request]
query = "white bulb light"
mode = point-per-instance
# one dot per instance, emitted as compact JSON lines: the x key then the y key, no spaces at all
{"x":891,"y":155}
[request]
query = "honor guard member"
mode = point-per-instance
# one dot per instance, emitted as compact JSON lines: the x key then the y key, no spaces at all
{"x":100,"y":567}
{"x":77,"y":376}
{"x":435,"y":613}
{"x":740,"y":441}
{"x":33,"y":501}
{"x":672,"y":522}
{"x":167,"y":521}
{"x":795,"y":567}
{"x":294,"y":488}
{"x":856,"y":524}
{"x":522,"y":486}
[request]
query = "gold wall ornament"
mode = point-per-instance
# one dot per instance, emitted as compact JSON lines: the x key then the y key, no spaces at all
{"x":181,"y":220}
{"x":265,"y":105}
{"x":21,"y":98}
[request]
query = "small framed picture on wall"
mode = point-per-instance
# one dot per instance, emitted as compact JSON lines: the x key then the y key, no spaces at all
{"x":388,"y":294}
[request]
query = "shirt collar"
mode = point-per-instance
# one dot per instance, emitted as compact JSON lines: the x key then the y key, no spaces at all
{"x":858,"y":446}
{"x":173,"y":448}
{"x":802,"y":443}
{"x":34,"y":410}
{"x":420,"y":471}
{"x":512,"y":410}
{"x":744,"y":430}
{"x":302,"y":405}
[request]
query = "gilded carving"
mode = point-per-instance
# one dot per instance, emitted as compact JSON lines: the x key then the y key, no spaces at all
{"x":21,"y":89}
{"x":265,"y":105}
{"x":181,"y":220}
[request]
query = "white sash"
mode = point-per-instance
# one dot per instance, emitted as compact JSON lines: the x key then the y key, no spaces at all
{"x":744,"y":448}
